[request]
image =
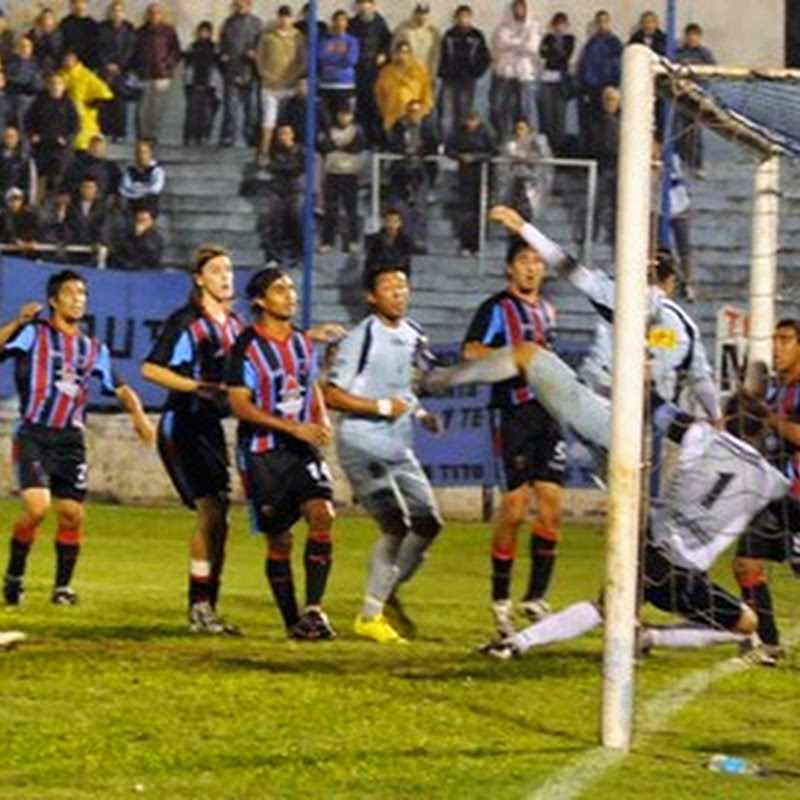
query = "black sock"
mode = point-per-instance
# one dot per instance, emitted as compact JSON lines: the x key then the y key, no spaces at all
{"x":543,"y":559}
{"x":199,"y":590}
{"x":317,"y":560}
{"x":279,"y":575}
{"x":66,"y":558}
{"x":759,"y":598}
{"x":501,"y":577}
{"x":18,"y":558}
{"x":213,"y":592}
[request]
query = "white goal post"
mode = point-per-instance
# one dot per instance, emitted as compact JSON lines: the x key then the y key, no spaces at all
{"x":641,"y":68}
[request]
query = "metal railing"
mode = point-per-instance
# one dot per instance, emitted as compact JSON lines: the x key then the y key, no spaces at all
{"x":35,"y":249}
{"x":590,"y":165}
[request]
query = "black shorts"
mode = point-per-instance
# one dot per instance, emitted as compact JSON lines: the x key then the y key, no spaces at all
{"x":690,"y":593}
{"x":192,"y":447}
{"x":770,"y":535}
{"x":51,"y":458}
{"x":279,"y":483}
{"x":529,"y":446}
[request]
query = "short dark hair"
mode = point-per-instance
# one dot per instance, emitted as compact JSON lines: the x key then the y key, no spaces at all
{"x":746,"y":416}
{"x":259,"y":284}
{"x":693,"y":27}
{"x":58,"y":279}
{"x":559,"y":18}
{"x":790,"y":322}
{"x":516,"y":244}
{"x":463,"y":9}
{"x":285,"y":11}
{"x":664,"y":266}
{"x":374,"y":269}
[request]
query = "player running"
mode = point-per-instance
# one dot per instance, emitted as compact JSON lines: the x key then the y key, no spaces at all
{"x":273,"y":390}
{"x":189,"y":359}
{"x":370,"y":382}
{"x":531,"y":451}
{"x":54,"y":362}
{"x":720,"y":486}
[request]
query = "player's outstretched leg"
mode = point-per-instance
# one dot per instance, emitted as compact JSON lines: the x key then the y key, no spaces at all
{"x":36,"y":504}
{"x":569,"y":623}
{"x":751,"y":576}
{"x":68,"y":545}
{"x":280,"y":577}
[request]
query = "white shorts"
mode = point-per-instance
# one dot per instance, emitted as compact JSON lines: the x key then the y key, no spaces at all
{"x":271,"y":100}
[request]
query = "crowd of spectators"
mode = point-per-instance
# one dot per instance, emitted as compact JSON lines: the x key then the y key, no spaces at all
{"x":67,"y":86}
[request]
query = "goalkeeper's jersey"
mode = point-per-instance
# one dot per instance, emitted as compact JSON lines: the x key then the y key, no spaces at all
{"x":719,"y":485}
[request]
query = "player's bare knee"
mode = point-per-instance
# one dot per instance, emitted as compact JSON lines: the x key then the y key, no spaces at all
{"x":70,"y":515}
{"x":36,"y":507}
{"x":514,"y":508}
{"x":748,"y":621}
{"x":320,"y":515}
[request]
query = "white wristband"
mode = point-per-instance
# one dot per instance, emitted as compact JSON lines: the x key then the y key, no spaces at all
{"x":384,"y":407}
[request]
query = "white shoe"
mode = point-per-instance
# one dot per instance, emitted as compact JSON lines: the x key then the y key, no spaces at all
{"x":503,"y":612}
{"x":535,"y":610}
{"x":10,"y":639}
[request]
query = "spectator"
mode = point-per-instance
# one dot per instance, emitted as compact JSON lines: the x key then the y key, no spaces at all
{"x":302,"y":24}
{"x":79,"y":32}
{"x":374,"y":47}
{"x":402,"y":80}
{"x":423,"y":37}
{"x":47,"y":41}
{"x":523,"y":180}
{"x":281,"y":62}
{"x":17,"y":168}
{"x":51,"y":125}
{"x":25,"y":79}
{"x":95,"y":163}
{"x":649,"y":33}
{"x":555,"y":85}
{"x":342,"y":145}
{"x":201,"y":97}
{"x":283,"y":236}
{"x":7,"y":105}
{"x":515,"y":52}
{"x":19,"y":225}
{"x":604,"y":148}
{"x":391,"y":244}
{"x":688,"y":134}
{"x":55,"y":210}
{"x":143,"y":181}
{"x":237,"y":53}
{"x":117,"y":41}
{"x":139,"y":244}
{"x":413,"y":137}
{"x":471,"y":145}
{"x":464,"y":60}
{"x":156,"y":54}
{"x":600,"y":65}
{"x":87,"y":217}
{"x":338,"y":57}
{"x":6,"y":40}
{"x":86,"y":91}
{"x":680,"y":221}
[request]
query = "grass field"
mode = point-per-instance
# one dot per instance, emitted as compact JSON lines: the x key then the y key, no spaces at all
{"x":115,"y":699}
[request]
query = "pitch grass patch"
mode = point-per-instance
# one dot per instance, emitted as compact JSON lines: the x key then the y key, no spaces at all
{"x":115,"y":699}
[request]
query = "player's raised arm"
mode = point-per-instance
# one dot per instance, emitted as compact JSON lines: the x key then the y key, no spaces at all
{"x":26,"y":314}
{"x":130,"y":401}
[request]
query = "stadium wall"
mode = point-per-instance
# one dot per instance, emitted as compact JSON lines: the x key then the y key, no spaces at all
{"x":754,"y":38}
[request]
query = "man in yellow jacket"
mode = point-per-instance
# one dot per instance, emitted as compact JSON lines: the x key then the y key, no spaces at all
{"x":402,"y":80}
{"x":86,"y":91}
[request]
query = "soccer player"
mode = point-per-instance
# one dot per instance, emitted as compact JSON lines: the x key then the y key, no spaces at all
{"x":273,"y":391}
{"x":778,"y":537}
{"x":55,"y":361}
{"x":530,"y":444}
{"x":720,"y":485}
{"x":189,"y":359}
{"x":678,"y":357}
{"x":370,"y":383}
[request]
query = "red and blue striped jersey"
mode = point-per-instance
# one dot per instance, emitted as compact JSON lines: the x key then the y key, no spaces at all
{"x":194,"y":344}
{"x":52,"y":373}
{"x":783,"y":399}
{"x":280,"y":375}
{"x":505,"y":319}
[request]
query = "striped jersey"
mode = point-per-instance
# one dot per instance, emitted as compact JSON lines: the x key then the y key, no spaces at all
{"x":719,"y":485}
{"x":196,"y":345}
{"x":505,"y":319}
{"x":280,"y":374}
{"x":377,"y":361}
{"x":783,"y":399}
{"x":52,"y":373}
